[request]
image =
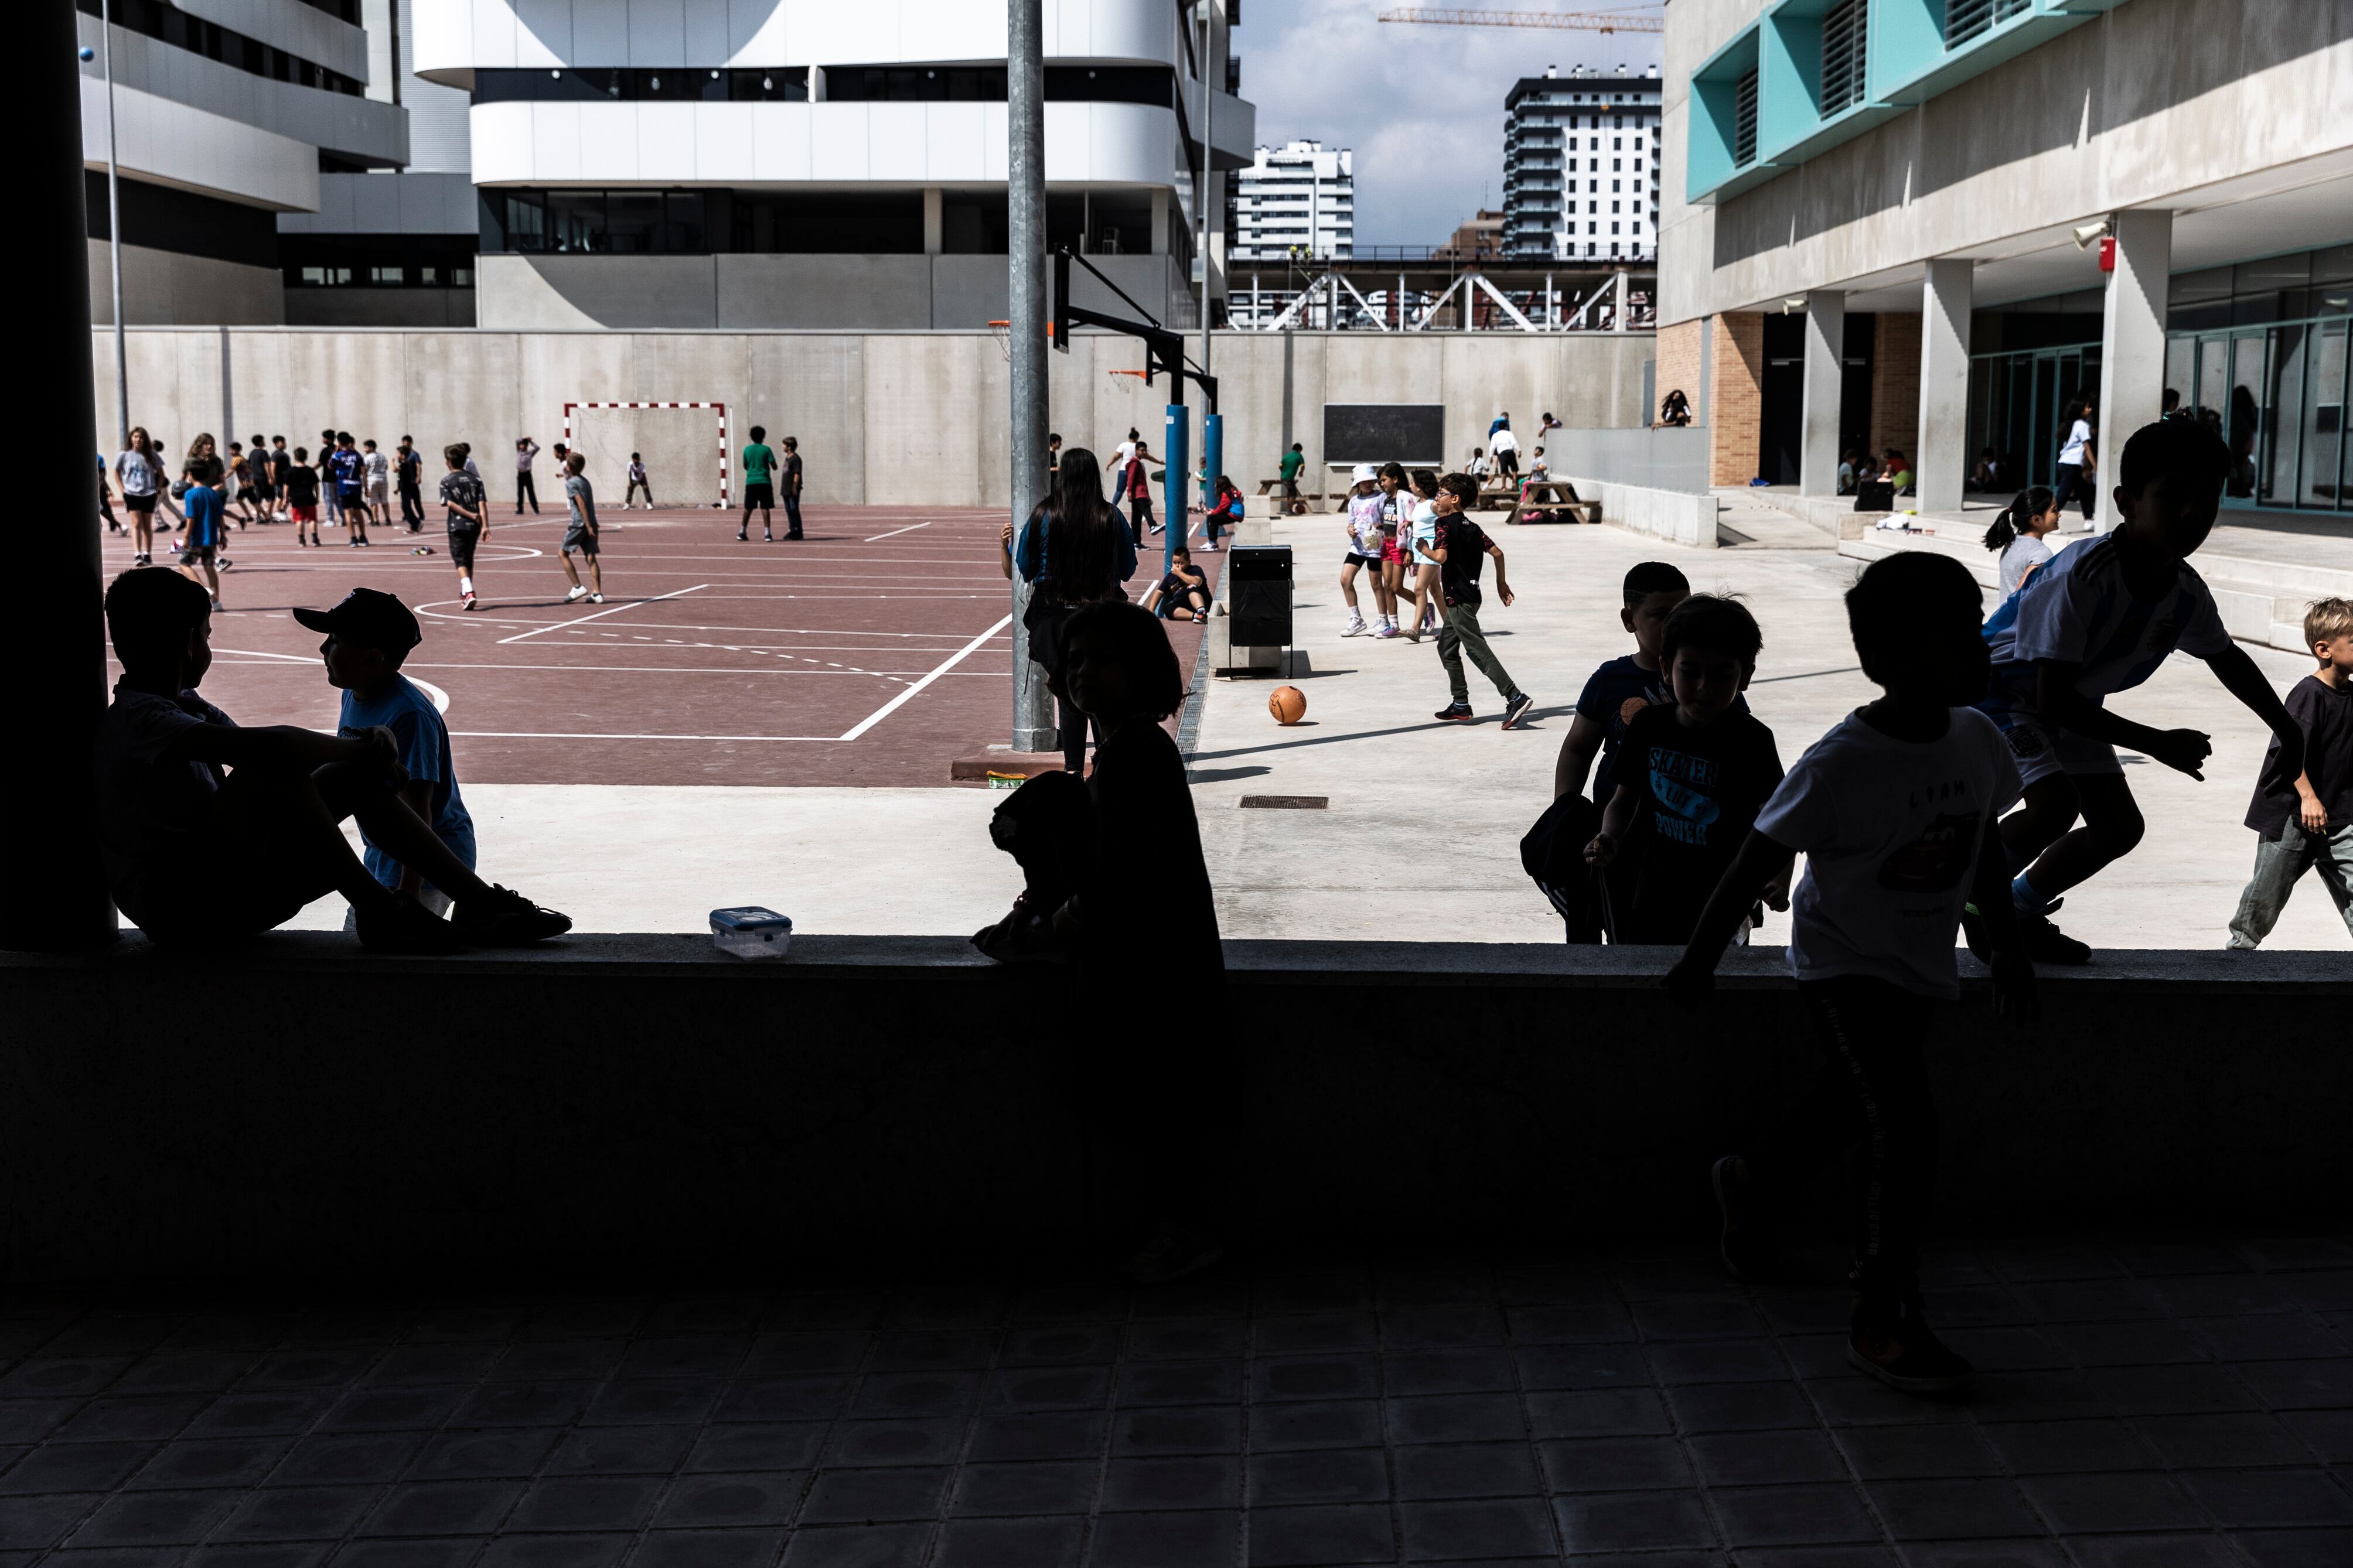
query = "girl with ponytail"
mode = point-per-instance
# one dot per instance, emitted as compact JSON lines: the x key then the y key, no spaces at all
{"x":2017,"y":536}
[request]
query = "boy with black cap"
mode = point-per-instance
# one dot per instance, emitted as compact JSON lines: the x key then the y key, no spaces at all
{"x":210,"y":832}
{"x":369,"y":636}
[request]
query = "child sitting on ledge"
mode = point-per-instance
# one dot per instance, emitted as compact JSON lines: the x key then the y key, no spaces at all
{"x":210,"y":832}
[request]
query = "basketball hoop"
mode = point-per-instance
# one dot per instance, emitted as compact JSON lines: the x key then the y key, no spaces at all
{"x":1003,"y":332}
{"x":1143,"y":375}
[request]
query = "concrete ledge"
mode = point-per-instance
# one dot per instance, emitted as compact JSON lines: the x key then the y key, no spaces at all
{"x":1672,"y":515}
{"x":620,"y":1102}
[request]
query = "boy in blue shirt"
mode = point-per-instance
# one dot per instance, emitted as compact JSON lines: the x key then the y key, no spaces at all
{"x":200,"y":513}
{"x":369,"y":636}
{"x":2100,"y":619}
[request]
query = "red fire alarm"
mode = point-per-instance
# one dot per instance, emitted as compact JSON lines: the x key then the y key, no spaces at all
{"x":2107,"y":253}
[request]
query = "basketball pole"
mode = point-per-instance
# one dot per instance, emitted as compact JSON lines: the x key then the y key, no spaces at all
{"x":1024,"y":192}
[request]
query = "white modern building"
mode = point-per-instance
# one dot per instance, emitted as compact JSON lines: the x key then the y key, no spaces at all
{"x":1934,"y":226}
{"x":224,"y":116}
{"x":803,"y":164}
{"x":1295,"y":203}
{"x":1582,"y":166}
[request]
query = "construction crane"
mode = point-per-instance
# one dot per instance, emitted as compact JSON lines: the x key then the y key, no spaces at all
{"x":1582,"y":21}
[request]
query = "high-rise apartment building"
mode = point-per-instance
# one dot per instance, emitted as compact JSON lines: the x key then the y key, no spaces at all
{"x":1296,"y":202}
{"x":1581,"y":167}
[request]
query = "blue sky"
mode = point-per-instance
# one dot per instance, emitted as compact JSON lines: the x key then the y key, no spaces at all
{"x":1422,"y":106}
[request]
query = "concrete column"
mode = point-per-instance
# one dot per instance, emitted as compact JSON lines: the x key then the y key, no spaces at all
{"x":1941,"y":459}
{"x":1818,"y":451}
{"x":2132,"y":343}
{"x":931,"y":225}
{"x":52,"y":889}
{"x":1618,"y":304}
{"x":1024,"y":192}
{"x":1160,"y":246}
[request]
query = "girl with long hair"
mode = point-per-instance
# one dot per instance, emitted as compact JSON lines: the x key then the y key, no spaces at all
{"x":1074,"y":550}
{"x":2017,"y":536}
{"x":2076,"y":457}
{"x":139,"y":473}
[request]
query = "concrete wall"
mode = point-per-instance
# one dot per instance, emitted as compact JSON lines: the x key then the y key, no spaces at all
{"x":792,"y":293}
{"x":235,"y":1115}
{"x":903,"y":418}
{"x":160,"y":288}
{"x":1662,"y":458}
{"x":1680,"y":516}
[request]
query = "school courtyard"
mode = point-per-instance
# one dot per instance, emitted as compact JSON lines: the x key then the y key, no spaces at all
{"x":776,"y":724}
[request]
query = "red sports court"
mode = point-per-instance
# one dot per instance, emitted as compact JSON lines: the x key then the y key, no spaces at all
{"x":875,"y":651}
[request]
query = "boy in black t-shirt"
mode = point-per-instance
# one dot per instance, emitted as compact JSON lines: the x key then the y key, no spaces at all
{"x":1622,"y":688}
{"x":1691,"y":775}
{"x":1184,"y":593}
{"x":1462,"y":545}
{"x":2307,"y":821}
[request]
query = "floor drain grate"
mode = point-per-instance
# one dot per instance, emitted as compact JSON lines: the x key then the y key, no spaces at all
{"x":1286,"y":802}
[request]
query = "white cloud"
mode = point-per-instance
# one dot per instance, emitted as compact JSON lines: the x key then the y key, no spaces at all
{"x":1422,"y":106}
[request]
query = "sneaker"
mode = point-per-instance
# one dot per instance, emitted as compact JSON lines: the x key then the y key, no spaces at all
{"x":596,"y":598}
{"x":2046,"y":943}
{"x":794,"y":534}
{"x":224,"y":563}
{"x":1454,"y":713}
{"x":506,"y":919}
{"x":742,"y":536}
{"x":469,"y":603}
{"x":1355,"y":627}
{"x":1518,"y":709}
{"x":1748,"y":1247}
{"x":396,"y":924}
{"x":578,"y":593}
{"x":768,"y":538}
{"x":1385,"y":630}
{"x":218,"y":605}
{"x":1892,"y":1343}
{"x":1175,"y":1250}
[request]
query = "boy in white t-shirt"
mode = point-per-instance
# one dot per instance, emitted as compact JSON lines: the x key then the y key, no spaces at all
{"x":2098,"y":620}
{"x":1894,"y":810}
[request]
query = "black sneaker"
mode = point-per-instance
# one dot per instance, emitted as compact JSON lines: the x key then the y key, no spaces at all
{"x":1749,"y":1247}
{"x":395,"y":924}
{"x":1455,"y":713}
{"x":1891,"y":1341}
{"x":742,"y":536}
{"x":1518,"y":709}
{"x":506,"y":919}
{"x":2046,"y":943}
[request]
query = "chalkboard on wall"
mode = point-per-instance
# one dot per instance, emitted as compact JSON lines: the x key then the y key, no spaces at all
{"x":1384,"y":432}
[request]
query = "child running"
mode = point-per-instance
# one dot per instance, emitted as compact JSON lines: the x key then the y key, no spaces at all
{"x":470,"y":520}
{"x":580,"y":533}
{"x":2306,"y":822}
{"x":1703,"y":768}
{"x":2098,"y":620}
{"x":1461,"y":544}
{"x":202,"y":514}
{"x":1896,"y":812}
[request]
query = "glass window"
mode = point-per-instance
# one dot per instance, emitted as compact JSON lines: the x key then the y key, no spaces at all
{"x":575,"y":221}
{"x":2322,"y":436}
{"x":2243,"y":418}
{"x":633,"y":222}
{"x":386,"y":276}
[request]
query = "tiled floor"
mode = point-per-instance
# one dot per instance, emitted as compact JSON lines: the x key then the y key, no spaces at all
{"x":2143,"y":1404}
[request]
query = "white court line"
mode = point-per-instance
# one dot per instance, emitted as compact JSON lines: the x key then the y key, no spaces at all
{"x":950,"y":662}
{"x":546,"y":735}
{"x":440,"y":699}
{"x":896,"y":531}
{"x":616,"y":609}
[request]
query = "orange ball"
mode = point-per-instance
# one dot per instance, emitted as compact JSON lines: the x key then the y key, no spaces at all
{"x":1289,"y":705}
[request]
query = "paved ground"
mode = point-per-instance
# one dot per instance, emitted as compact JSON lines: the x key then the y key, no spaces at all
{"x":2159,"y":1403}
{"x":1419,"y":839}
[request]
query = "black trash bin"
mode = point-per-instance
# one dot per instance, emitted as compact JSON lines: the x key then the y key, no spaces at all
{"x":1258,"y":595}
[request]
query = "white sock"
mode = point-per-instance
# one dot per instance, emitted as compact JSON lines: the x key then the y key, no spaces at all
{"x":465,"y":585}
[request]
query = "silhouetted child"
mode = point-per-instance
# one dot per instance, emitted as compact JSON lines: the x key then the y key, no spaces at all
{"x":1148,"y":1083}
{"x":1894,"y":810}
{"x":2100,"y":619}
{"x":2306,"y":820}
{"x":210,"y":832}
{"x":1699,"y":769}
{"x":369,"y":635}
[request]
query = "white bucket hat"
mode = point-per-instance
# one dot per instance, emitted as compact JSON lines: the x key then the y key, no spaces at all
{"x":1365,"y":471}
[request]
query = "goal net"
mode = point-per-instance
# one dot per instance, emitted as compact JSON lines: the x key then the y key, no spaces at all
{"x":682,"y":444}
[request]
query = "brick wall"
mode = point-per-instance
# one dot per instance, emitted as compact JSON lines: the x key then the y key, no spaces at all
{"x":1736,"y":397}
{"x":1896,"y":383}
{"x":1679,"y":359}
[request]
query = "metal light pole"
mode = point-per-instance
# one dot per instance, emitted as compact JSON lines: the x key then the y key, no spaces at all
{"x":1025,"y":197}
{"x":114,"y":232}
{"x":1212,"y":426}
